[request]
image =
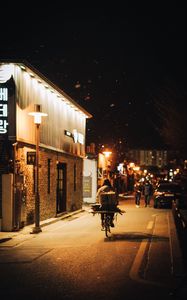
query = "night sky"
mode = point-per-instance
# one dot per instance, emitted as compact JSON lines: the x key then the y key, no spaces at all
{"x":126,"y":65}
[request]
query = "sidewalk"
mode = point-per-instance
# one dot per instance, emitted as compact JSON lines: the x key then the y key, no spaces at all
{"x":180,"y":217}
{"x":10,"y":239}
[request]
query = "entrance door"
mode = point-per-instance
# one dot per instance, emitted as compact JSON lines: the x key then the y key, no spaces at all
{"x":61,"y":187}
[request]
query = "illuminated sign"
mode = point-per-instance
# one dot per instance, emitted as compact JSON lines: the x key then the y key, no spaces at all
{"x":3,"y":110}
{"x":77,"y":136}
{"x":80,"y":138}
{"x":68,"y":133}
{"x":5,"y":72}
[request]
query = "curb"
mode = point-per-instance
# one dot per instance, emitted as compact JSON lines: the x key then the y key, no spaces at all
{"x":64,"y":216}
{"x":6,"y":238}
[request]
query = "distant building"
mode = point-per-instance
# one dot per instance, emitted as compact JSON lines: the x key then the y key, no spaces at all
{"x":103,"y":163}
{"x":152,"y":157}
{"x":61,"y":148}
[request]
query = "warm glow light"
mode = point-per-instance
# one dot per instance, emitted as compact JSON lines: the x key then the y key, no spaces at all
{"x":107,"y":153}
{"x":37,"y":116}
{"x":131,"y":165}
{"x":136,"y":168}
{"x":37,"y":84}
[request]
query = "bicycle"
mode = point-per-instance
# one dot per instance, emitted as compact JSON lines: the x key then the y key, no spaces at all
{"x":106,"y":217}
{"x":106,"y":222}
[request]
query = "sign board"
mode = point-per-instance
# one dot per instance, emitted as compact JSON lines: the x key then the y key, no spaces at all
{"x":75,"y":135}
{"x":3,"y":110}
{"x":31,"y":158}
{"x":87,"y":186}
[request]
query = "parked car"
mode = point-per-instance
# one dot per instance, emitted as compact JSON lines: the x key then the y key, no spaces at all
{"x":166,"y":193}
{"x":181,"y":203}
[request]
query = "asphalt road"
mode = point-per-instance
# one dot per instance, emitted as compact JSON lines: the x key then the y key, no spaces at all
{"x":72,"y":259}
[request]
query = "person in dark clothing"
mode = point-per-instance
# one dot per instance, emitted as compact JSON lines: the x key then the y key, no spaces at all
{"x":105,"y":188}
{"x":117,"y":184}
{"x":148,"y":191}
{"x":138,"y":193}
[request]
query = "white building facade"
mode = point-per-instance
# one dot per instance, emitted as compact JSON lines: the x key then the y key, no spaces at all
{"x":61,"y":147}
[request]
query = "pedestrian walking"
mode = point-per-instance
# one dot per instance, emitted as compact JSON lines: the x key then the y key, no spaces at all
{"x":147,"y":191}
{"x":117,"y":184}
{"x":138,"y":193}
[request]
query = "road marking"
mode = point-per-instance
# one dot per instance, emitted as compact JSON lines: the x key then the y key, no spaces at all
{"x":138,"y":260}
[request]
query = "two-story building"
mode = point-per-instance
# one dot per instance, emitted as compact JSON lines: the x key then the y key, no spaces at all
{"x":61,"y":147}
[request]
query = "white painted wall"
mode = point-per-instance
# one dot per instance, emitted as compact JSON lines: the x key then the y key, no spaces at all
{"x":89,"y":180}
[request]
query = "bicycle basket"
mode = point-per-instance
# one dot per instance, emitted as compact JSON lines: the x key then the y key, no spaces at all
{"x":108,"y":198}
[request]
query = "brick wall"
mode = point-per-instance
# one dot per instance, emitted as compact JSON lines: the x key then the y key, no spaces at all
{"x":48,"y":200}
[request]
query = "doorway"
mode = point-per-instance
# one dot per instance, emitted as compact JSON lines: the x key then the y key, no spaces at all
{"x":61,"y":187}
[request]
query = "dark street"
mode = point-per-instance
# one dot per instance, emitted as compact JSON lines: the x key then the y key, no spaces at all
{"x":72,"y":258}
{"x":93,"y":108}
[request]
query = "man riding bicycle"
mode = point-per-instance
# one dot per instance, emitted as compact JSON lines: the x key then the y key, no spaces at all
{"x":106,"y":197}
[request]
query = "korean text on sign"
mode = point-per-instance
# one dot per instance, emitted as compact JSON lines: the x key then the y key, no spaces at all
{"x":3,"y":110}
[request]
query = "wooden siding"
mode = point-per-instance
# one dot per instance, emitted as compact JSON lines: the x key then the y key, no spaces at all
{"x":62,"y":115}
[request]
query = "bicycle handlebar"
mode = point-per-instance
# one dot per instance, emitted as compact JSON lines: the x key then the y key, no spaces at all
{"x":108,"y":211}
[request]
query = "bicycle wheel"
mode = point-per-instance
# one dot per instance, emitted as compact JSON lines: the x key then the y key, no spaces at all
{"x":107,"y":225}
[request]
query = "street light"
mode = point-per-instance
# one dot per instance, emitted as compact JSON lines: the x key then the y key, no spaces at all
{"x":37,"y":114}
{"x":107,"y":155}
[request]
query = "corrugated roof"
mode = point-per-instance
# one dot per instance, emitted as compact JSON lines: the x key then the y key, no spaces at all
{"x":29,"y":68}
